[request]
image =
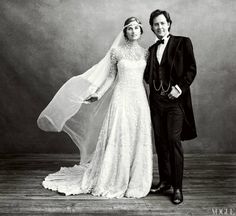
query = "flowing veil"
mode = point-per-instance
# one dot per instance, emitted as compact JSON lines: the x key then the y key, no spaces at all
{"x":69,"y":112}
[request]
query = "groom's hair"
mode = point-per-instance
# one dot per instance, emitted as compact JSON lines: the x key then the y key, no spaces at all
{"x":158,"y":12}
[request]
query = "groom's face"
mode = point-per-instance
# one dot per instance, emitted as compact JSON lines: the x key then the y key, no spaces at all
{"x":160,"y":26}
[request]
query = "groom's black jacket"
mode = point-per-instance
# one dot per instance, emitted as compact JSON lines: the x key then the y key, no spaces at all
{"x":182,"y":71}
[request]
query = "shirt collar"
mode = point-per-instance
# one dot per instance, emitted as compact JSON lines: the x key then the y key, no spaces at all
{"x":166,"y":38}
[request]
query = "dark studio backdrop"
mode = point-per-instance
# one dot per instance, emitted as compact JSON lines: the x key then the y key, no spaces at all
{"x":45,"y":42}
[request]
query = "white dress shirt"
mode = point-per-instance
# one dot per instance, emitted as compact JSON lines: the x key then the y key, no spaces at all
{"x":161,"y":48}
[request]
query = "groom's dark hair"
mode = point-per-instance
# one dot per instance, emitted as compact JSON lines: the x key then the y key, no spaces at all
{"x":158,"y":12}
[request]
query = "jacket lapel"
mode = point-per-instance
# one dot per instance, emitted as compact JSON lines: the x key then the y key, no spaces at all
{"x":172,"y":49}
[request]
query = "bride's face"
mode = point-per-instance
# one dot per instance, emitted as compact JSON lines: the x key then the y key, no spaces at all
{"x":133,"y":32}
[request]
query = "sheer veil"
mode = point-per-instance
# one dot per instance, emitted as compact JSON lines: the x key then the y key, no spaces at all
{"x":69,"y":112}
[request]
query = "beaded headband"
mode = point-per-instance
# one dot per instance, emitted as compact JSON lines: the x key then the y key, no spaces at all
{"x":132,"y":24}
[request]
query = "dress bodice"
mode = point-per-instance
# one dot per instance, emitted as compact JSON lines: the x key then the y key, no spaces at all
{"x":131,"y":63}
{"x":130,"y":72}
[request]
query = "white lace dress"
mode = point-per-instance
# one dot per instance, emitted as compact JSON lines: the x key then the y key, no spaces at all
{"x":122,"y":163}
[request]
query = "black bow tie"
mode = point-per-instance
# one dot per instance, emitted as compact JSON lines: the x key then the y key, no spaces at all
{"x":160,"y":42}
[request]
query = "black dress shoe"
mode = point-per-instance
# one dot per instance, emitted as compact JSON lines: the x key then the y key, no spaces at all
{"x":161,"y":187}
{"x":177,"y":196}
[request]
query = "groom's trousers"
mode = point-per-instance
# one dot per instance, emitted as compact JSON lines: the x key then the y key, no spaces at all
{"x":167,"y":119}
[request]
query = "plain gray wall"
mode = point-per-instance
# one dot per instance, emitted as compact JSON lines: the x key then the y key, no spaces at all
{"x":45,"y":42}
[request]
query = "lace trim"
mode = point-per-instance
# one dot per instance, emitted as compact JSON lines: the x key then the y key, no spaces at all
{"x":128,"y":51}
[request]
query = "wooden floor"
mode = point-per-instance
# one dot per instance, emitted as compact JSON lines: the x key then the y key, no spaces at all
{"x":209,"y":189}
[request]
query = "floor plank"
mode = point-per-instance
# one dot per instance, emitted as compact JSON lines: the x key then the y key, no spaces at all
{"x":209,"y":189}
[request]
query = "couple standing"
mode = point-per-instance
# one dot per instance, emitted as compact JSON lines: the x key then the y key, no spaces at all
{"x":106,"y":113}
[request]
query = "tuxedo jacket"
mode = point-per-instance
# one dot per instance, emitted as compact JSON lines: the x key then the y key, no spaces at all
{"x":182,"y":71}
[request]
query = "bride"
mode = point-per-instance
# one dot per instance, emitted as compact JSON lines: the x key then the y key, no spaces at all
{"x":106,"y":113}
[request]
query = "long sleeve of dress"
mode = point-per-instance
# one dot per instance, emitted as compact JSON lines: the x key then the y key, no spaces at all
{"x":111,"y":77}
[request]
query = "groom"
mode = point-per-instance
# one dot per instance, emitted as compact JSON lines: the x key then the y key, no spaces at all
{"x":170,"y":70}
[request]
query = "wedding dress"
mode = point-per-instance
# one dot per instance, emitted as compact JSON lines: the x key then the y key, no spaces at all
{"x":121,"y":165}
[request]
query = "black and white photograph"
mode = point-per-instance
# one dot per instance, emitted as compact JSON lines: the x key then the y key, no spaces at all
{"x":118,"y":107}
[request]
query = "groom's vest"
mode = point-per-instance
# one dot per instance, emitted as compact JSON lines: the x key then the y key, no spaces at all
{"x":161,"y":74}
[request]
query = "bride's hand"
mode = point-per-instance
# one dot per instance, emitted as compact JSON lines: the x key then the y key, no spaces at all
{"x":92,"y":98}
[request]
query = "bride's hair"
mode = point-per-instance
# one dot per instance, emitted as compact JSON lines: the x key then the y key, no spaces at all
{"x":128,"y":21}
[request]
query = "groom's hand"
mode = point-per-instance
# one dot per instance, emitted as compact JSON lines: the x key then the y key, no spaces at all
{"x":174,"y":93}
